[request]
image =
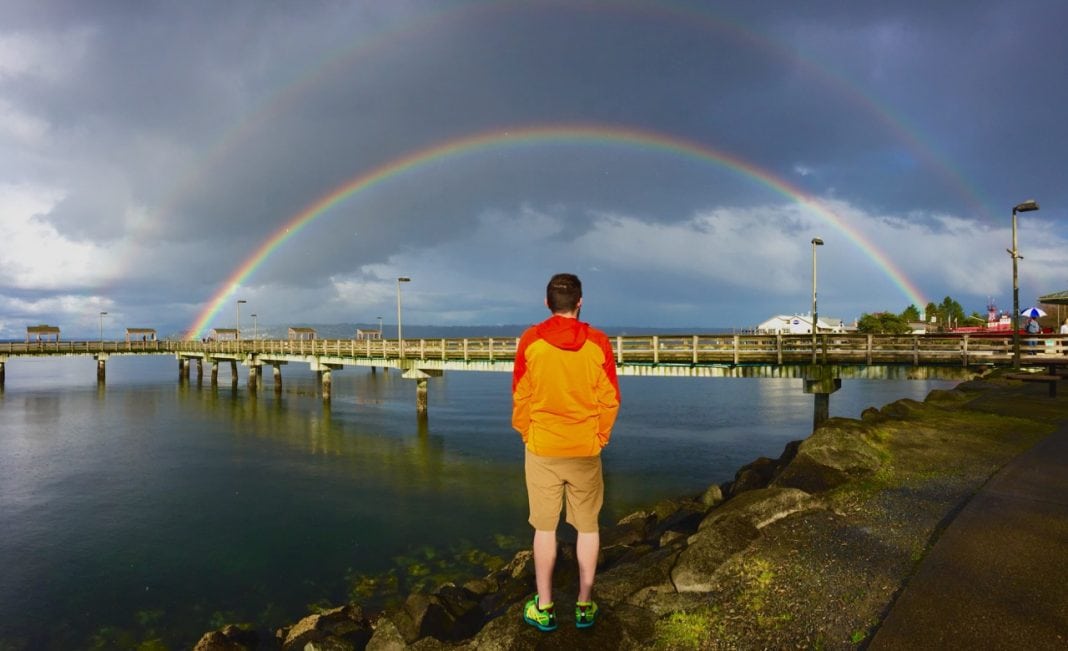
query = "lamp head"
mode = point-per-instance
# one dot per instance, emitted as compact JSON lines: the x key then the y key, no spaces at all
{"x":817,"y":241}
{"x":404,"y":279}
{"x":242,"y":301}
{"x":1026,"y":206}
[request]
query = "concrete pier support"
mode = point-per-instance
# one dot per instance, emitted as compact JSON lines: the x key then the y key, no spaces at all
{"x":420,"y":397}
{"x":277,"y":371}
{"x":421,"y":375}
{"x":233,"y":373}
{"x":326,"y":381}
{"x":323,"y":373}
{"x":200,"y":370}
{"x":101,"y":367}
{"x":214,"y":372}
{"x":253,"y":377}
{"x":3,"y":363}
{"x":821,"y":381}
{"x":183,"y":369}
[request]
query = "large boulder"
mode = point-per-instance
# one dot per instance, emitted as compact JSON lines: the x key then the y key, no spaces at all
{"x":332,"y":628}
{"x":729,"y":529}
{"x":450,"y":614}
{"x":707,"y":550}
{"x":228,"y":638}
{"x":839,"y":451}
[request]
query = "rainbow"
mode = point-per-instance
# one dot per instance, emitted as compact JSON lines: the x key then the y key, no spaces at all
{"x":545,"y":134}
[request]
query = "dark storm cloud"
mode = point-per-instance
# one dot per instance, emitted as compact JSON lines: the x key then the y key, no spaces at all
{"x":169,"y":141}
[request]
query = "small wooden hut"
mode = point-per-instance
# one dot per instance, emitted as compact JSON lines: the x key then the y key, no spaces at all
{"x":297,"y":333}
{"x":224,"y":334}
{"x":38,"y":331}
{"x":146,"y":334}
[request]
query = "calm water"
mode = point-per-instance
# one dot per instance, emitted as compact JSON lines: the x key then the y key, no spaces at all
{"x":154,"y":510}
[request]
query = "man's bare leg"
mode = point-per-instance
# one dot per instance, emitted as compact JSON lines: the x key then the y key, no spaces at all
{"x":586,"y":549}
{"x":544,"y":560}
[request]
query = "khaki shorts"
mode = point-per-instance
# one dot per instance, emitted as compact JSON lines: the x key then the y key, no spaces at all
{"x":552,"y":481}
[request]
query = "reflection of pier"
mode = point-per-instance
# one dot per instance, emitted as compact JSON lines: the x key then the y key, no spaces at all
{"x":835,"y":357}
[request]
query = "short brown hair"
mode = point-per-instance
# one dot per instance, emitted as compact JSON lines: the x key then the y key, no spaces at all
{"x":563,"y":293}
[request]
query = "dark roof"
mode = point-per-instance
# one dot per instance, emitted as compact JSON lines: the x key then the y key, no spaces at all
{"x":1056,"y":298}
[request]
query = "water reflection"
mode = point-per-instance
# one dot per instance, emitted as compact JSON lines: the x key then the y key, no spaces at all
{"x":154,"y":505}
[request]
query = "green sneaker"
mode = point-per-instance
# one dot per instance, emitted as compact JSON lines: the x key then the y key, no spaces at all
{"x":543,"y":619}
{"x":585,"y":614}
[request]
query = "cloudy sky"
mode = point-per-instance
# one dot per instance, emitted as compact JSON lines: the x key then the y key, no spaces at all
{"x":678,"y":156}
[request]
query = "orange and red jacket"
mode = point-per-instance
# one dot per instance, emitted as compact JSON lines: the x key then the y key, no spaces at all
{"x":565,"y":395}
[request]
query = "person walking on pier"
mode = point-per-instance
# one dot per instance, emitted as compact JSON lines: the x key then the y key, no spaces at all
{"x":565,"y":398}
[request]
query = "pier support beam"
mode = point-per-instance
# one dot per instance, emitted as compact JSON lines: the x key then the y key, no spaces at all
{"x":277,"y":371}
{"x":421,"y":375}
{"x":821,"y":381}
{"x":200,"y":370}
{"x":420,"y":397}
{"x":101,"y":367}
{"x":214,"y":372}
{"x":324,"y":373}
{"x":3,"y":362}
{"x":233,"y":373}
{"x":255,"y":371}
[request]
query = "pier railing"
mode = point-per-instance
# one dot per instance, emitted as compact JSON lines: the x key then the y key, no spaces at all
{"x":682,"y":350}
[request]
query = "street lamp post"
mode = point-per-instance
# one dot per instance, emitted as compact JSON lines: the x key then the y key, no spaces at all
{"x":400,"y":339}
{"x":379,"y":327}
{"x":239,"y":302}
{"x":255,"y":328}
{"x":815,"y":315}
{"x":1026,"y":206}
{"x":102,"y":315}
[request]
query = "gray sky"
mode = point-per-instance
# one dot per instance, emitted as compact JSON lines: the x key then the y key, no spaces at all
{"x":678,"y":156}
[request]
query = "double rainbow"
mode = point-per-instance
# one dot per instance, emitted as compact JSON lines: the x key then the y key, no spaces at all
{"x":545,"y":134}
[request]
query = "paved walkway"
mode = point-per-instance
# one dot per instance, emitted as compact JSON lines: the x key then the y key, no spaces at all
{"x":997,"y":578}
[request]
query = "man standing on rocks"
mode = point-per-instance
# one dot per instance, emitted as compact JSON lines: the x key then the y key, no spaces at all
{"x":565,"y":399}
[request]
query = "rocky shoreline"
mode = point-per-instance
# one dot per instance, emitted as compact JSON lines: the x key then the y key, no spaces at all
{"x":807,"y":550}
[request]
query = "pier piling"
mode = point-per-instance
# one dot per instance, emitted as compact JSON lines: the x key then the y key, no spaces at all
{"x":821,"y":381}
{"x":101,"y":361}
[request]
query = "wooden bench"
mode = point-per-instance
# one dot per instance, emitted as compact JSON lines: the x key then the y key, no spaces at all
{"x":1050,"y":380}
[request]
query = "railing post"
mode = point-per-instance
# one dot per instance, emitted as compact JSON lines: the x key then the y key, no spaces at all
{"x":737,"y":343}
{"x":778,"y":347}
{"x":465,"y":349}
{"x":964,"y":350}
{"x":422,"y":349}
{"x":619,"y":349}
{"x":868,"y":353}
{"x":915,"y":350}
{"x":491,"y":349}
{"x":443,"y":355}
{"x":695,"y":350}
{"x":656,"y":349}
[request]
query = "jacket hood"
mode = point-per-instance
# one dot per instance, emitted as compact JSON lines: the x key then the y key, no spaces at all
{"x":563,"y":332}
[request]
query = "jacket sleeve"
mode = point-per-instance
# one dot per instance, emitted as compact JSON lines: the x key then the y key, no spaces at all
{"x":608,"y":397}
{"x":521,"y":391}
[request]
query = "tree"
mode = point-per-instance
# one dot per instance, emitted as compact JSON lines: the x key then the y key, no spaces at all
{"x":911,"y":313}
{"x":952,"y":312}
{"x":883,"y":323}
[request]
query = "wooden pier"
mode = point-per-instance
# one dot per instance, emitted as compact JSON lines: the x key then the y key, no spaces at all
{"x":822,"y":367}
